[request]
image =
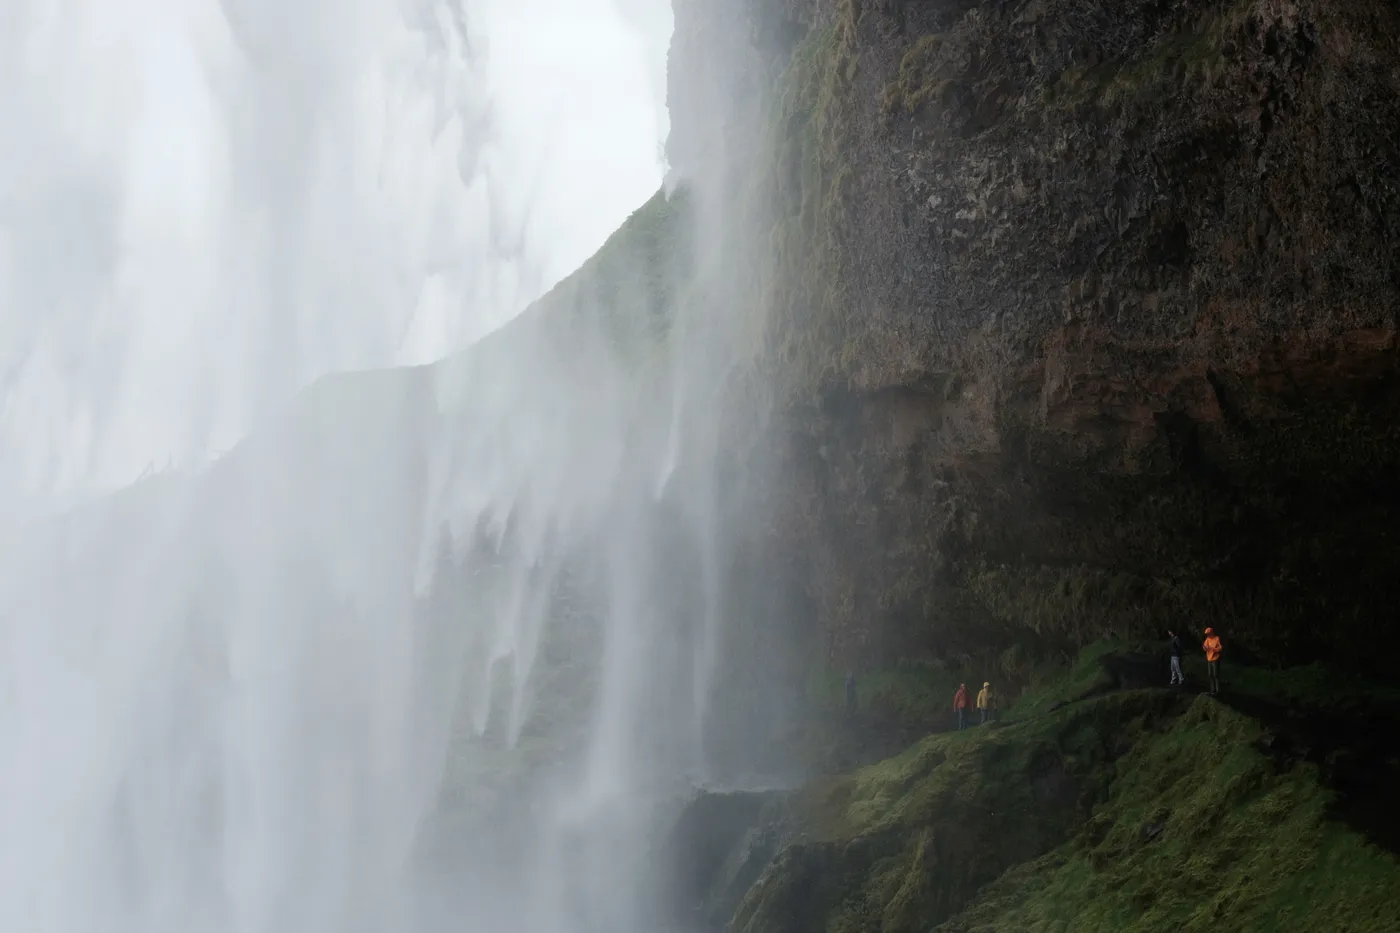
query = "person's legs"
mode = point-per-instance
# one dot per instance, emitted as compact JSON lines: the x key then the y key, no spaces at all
{"x":1177,"y":678}
{"x":1213,"y":670}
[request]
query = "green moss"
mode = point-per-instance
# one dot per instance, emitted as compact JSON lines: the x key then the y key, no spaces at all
{"x":923,"y":78}
{"x":1051,"y":687}
{"x":1200,"y":832}
{"x":809,"y":194}
{"x":908,"y":841}
{"x":1174,"y":63}
{"x":1090,"y":809}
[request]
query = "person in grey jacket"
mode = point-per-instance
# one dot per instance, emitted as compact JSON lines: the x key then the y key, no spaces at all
{"x":1176,"y":649}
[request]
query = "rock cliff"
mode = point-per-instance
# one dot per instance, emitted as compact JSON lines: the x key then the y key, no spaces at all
{"x":1081,"y":316}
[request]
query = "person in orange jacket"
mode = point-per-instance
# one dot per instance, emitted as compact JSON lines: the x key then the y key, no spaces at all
{"x":1213,"y":651}
{"x":960,"y":706}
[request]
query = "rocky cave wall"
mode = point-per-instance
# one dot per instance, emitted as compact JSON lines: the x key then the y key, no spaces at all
{"x":1080,"y":317}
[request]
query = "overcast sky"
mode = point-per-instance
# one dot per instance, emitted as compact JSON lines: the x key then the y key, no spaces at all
{"x":204,"y":205}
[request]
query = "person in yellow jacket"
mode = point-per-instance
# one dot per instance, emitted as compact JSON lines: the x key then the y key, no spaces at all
{"x":987,"y":702}
{"x":1213,"y":649}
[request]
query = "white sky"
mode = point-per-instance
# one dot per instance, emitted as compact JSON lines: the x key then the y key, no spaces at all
{"x":205,"y":204}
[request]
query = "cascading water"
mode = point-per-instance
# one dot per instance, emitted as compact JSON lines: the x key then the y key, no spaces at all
{"x":434,"y":648}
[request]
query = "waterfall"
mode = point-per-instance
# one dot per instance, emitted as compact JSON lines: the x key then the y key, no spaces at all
{"x":433,"y":645}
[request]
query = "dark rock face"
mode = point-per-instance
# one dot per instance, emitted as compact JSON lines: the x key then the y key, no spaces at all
{"x":1083,"y":314}
{"x":720,"y":845}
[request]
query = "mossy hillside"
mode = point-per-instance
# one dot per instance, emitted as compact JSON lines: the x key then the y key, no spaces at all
{"x":909,"y":841}
{"x":1200,"y":831}
{"x":1172,"y":63}
{"x":1055,"y":684}
{"x":900,"y":703}
{"x":1091,"y":807}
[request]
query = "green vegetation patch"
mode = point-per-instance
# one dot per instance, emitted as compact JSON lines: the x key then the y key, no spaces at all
{"x":909,"y":841}
{"x":1092,"y":808}
{"x":926,"y":76}
{"x":1200,"y":832}
{"x":809,"y":192}
{"x":1172,"y":64}
{"x":1087,"y":676}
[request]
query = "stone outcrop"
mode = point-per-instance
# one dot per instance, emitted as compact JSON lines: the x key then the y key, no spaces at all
{"x":1082,"y":316}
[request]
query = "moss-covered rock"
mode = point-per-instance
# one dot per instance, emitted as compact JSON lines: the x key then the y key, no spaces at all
{"x":1091,"y":808}
{"x":908,"y":842}
{"x":720,"y":844}
{"x":1200,"y":830}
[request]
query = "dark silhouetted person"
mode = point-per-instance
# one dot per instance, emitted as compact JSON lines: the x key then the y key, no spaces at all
{"x":960,"y":706}
{"x":987,"y":702}
{"x":1177,"y":678}
{"x":1214,"y":649}
{"x":850,"y":693}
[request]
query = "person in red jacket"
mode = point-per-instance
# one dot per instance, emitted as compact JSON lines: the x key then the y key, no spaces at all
{"x":1213,"y":649}
{"x":960,"y":706}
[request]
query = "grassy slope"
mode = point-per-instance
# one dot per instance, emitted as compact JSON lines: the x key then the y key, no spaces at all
{"x":1200,"y":831}
{"x":1128,"y":810}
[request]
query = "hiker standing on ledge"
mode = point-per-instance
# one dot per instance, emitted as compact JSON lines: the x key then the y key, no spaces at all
{"x":960,"y":706}
{"x":1213,"y":651}
{"x":987,"y":702}
{"x":1177,"y":679}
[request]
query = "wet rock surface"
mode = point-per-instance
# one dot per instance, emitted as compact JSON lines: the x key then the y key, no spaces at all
{"x":1085,"y":314}
{"x":720,"y":845}
{"x":1081,"y":321}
